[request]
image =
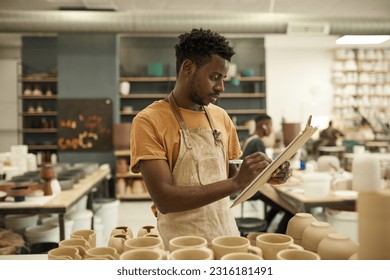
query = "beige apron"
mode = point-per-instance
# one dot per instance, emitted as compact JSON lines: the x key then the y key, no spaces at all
{"x":201,"y":161}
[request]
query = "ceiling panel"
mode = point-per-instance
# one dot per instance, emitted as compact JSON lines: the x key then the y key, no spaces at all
{"x":336,"y":8}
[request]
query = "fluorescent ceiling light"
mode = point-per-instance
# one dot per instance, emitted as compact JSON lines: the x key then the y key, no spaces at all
{"x":362,"y":39}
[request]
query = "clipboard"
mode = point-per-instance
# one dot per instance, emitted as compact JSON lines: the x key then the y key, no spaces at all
{"x":266,"y":174}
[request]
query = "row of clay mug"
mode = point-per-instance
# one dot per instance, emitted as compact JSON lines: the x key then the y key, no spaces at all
{"x":223,"y":245}
{"x":307,"y":231}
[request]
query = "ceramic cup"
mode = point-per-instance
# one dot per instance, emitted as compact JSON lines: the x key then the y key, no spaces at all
{"x":192,"y":254}
{"x":148,"y":229}
{"x":223,"y":245}
{"x":314,"y":233}
{"x":88,"y":235}
{"x":63,"y":253}
{"x":241,"y":256}
{"x":106,"y":253}
{"x":181,"y":242}
{"x":296,"y":254}
{"x":297,"y":225}
{"x":122,"y":230}
{"x":337,"y":246}
{"x":272,"y":243}
{"x":252,"y":237}
{"x":117,"y":241}
{"x":142,"y":254}
{"x":80,"y":244}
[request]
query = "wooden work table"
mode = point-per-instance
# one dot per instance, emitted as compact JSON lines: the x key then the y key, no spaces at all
{"x":62,"y":202}
{"x":293,"y":193}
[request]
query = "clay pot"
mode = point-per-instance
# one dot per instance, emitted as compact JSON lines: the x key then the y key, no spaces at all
{"x":297,"y":225}
{"x":336,"y":246}
{"x":314,"y":233}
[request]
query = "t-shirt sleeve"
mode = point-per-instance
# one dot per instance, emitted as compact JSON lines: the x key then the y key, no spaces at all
{"x":234,"y":148}
{"x":145,"y":142}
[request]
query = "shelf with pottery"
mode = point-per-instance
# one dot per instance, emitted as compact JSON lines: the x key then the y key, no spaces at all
{"x":37,"y":112}
{"x":128,"y":185}
{"x":361,"y":80}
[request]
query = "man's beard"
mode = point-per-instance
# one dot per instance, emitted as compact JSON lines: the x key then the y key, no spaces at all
{"x":194,"y":94}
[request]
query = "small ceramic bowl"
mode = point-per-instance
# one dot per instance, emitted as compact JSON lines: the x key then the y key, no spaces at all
{"x":3,"y":195}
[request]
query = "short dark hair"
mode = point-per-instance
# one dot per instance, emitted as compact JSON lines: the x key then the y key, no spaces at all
{"x":199,"y":45}
{"x":262,"y":117}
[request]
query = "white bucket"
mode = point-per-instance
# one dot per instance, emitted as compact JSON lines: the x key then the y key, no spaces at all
{"x":19,"y":222}
{"x":43,"y":233}
{"x":345,"y":222}
{"x":99,"y":229}
{"x":107,"y":210}
{"x":82,"y":219}
{"x":54,"y":221}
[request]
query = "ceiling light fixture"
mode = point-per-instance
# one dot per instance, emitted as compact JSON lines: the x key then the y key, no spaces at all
{"x":362,"y":39}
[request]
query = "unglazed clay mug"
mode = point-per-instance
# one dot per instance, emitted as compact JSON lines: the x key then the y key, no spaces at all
{"x":142,"y":254}
{"x":272,"y":243}
{"x":252,"y":237}
{"x":117,"y":241}
{"x":297,"y":225}
{"x":63,"y":253}
{"x":296,"y":254}
{"x":80,"y":244}
{"x":181,"y":242}
{"x":223,"y":245}
{"x":88,"y":235}
{"x":314,"y":233}
{"x":337,"y":246}
{"x":106,"y":253}
{"x":122,"y":230}
{"x":192,"y":254}
{"x":146,"y":230}
{"x":144,"y":242}
{"x":241,"y":256}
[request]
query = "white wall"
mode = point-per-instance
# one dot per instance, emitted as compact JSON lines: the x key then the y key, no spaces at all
{"x":298,"y":75}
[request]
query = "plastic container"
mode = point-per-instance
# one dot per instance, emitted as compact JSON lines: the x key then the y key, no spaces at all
{"x":82,"y":219}
{"x":345,"y":222}
{"x":107,"y":209}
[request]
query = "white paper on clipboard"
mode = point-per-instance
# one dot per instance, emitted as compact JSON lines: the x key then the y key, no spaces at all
{"x":266,"y":174}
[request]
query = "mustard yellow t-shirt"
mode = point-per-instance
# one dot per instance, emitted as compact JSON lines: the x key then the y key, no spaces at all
{"x":155,"y":133}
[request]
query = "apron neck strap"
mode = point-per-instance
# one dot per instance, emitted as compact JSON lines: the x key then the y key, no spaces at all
{"x":180,"y":120}
{"x":183,"y":126}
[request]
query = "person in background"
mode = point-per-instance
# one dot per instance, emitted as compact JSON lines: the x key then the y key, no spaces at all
{"x":267,"y":194}
{"x":254,"y":143}
{"x":329,"y":136}
{"x":182,"y":145}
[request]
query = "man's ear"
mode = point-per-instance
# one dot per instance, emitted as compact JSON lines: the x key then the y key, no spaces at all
{"x":187,"y":67}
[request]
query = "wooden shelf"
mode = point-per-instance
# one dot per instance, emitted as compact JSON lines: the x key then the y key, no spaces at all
{"x":42,"y":147}
{"x":39,"y":79}
{"x":38,"y":97}
{"x":27,"y":114}
{"x":173,"y":79}
{"x":144,"y":95}
{"x":122,"y":153}
{"x":129,"y":175}
{"x":162,"y":95}
{"x":148,"y":79}
{"x":246,"y":111}
{"x":129,"y":197}
{"x":39,"y":130}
